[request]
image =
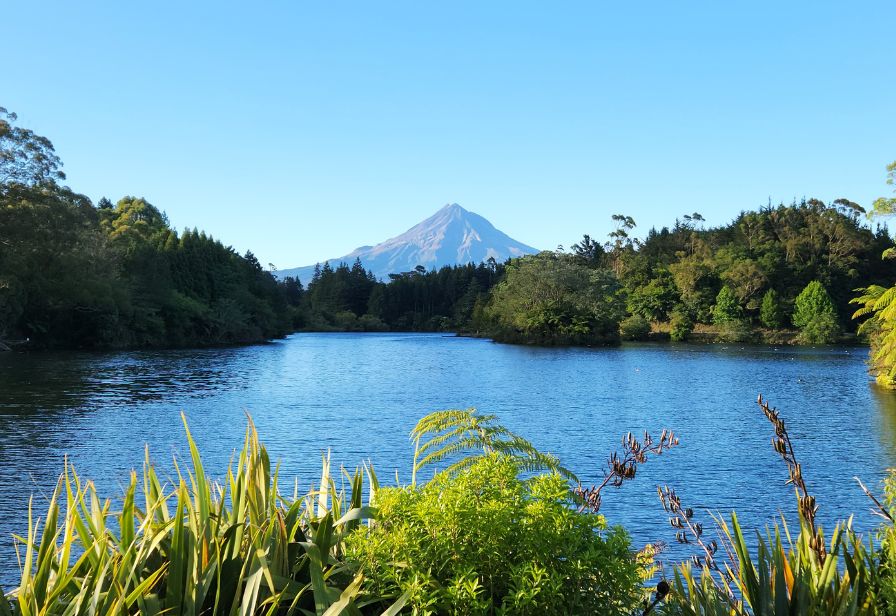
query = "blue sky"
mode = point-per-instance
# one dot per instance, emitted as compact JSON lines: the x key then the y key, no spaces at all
{"x":302,"y":130}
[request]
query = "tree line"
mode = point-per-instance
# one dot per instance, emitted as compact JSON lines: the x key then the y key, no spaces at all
{"x":783,"y":273}
{"x":78,"y":274}
{"x":75,"y":274}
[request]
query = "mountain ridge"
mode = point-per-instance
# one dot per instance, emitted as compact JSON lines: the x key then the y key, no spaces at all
{"x":451,"y":236}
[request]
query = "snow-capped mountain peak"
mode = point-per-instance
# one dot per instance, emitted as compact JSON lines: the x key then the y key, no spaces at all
{"x":451,"y":236}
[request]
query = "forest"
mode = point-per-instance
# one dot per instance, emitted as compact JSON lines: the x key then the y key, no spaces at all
{"x":784,"y":273}
{"x":74,"y":274}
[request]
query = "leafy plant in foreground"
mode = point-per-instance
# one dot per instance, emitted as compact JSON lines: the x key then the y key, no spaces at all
{"x":786,"y":574}
{"x":483,"y":541}
{"x":452,"y":434}
{"x":199,"y":548}
{"x":877,"y":301}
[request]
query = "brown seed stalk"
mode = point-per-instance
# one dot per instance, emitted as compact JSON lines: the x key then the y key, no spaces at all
{"x":622,"y":469}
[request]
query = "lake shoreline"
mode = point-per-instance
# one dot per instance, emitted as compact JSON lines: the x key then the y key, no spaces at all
{"x":700,"y":337}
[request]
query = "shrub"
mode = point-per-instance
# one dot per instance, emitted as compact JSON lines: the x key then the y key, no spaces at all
{"x":484,"y":541}
{"x":815,"y":315}
{"x":734,"y":331}
{"x":370,"y":323}
{"x":654,"y":300}
{"x":771,"y":313}
{"x":822,"y":329}
{"x":682,"y":324}
{"x":727,"y":309}
{"x":634,"y":327}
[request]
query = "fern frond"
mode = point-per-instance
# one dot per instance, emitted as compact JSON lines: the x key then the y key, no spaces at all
{"x":460,"y":465}
{"x":439,"y":421}
{"x":443,"y":438}
{"x":469,"y":443}
{"x":443,"y":434}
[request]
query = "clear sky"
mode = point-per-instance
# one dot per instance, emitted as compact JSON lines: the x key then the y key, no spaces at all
{"x":302,"y":130}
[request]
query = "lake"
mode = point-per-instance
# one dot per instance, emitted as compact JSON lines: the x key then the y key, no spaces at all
{"x":360,"y":394}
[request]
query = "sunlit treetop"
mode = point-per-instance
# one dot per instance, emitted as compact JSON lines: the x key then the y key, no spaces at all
{"x":26,"y":159}
{"x":886,"y":206}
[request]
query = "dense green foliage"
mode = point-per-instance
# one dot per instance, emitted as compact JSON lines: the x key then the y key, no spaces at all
{"x":634,"y":327}
{"x":480,"y":540}
{"x":553,"y":298}
{"x":681,"y":324}
{"x":201,"y":547}
{"x":496,"y":532}
{"x":771,"y":313}
{"x":484,"y":542}
{"x":77,"y":275}
{"x":674,"y":275}
{"x":727,"y":308}
{"x":350,"y":298}
{"x":815,"y":315}
{"x":876,"y":301}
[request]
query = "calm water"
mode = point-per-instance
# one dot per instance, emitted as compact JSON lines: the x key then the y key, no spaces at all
{"x":361,"y":394}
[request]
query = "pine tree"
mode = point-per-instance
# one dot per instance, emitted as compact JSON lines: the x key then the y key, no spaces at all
{"x":815,"y":315}
{"x":727,"y":308}
{"x":771,"y":313}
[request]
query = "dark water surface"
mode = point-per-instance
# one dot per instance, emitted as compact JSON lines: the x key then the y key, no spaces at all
{"x":360,"y":394}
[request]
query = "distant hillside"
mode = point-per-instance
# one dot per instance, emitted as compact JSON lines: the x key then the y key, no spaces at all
{"x":451,"y":236}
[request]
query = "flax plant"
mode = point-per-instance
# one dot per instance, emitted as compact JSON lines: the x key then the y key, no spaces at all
{"x":801,"y":574}
{"x":199,"y":547}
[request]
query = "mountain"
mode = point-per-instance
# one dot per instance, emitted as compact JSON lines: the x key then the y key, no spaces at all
{"x":451,"y":236}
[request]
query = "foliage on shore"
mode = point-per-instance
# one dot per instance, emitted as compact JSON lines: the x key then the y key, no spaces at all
{"x":75,"y":274}
{"x":500,"y":528}
{"x":745,"y":279}
{"x":876,"y":302}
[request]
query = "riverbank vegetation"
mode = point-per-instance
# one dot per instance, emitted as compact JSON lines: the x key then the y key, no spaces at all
{"x":82,"y":275}
{"x":75,"y":274}
{"x":876,"y":302}
{"x":782,"y":274}
{"x":496,"y":528}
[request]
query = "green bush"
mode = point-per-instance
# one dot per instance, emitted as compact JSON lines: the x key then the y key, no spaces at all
{"x":822,"y":329}
{"x":634,"y":327}
{"x":682,"y":324}
{"x":727,"y":309}
{"x":483,"y":541}
{"x":815,"y":315}
{"x":654,"y":300}
{"x":771,"y":313}
{"x":734,"y":331}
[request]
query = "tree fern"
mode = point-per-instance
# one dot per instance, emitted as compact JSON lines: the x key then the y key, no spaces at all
{"x":880,"y":303}
{"x":466,"y":433}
